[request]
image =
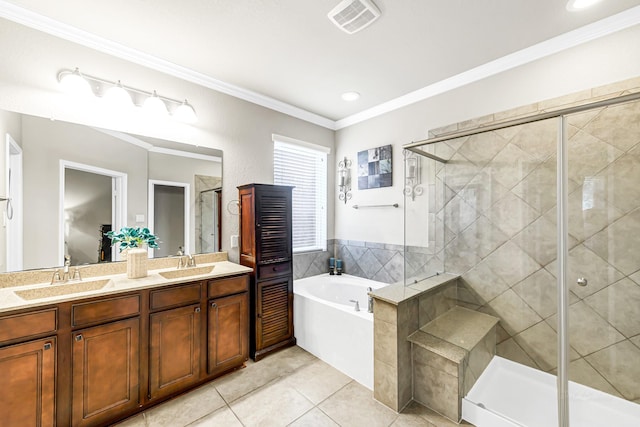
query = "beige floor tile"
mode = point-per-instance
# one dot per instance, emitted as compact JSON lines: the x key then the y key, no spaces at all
{"x":256,"y":374}
{"x":314,"y":418}
{"x":186,"y":408}
{"x":137,"y":421}
{"x":275,"y":404}
{"x":222,"y":417}
{"x":354,"y":406}
{"x":317,"y":381}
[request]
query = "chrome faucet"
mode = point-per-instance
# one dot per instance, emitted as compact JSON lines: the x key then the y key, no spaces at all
{"x":357,"y":306}
{"x":65,"y":271}
{"x":181,"y":263}
{"x":369,"y":300}
{"x":63,"y":275}
{"x":56,"y":276}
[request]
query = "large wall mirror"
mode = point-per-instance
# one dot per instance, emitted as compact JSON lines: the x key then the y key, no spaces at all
{"x":68,"y":184}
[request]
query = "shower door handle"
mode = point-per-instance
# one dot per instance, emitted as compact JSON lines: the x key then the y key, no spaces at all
{"x":582,"y":281}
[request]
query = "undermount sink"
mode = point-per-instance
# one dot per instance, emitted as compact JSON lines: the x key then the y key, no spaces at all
{"x":57,"y":290}
{"x":186,"y":272}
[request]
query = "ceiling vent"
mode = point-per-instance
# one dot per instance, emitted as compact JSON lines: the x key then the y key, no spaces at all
{"x":352,"y":16}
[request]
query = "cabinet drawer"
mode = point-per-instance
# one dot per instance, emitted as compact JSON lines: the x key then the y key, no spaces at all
{"x":228,"y":286}
{"x":104,"y":310}
{"x":176,"y":296}
{"x":274,"y":270}
{"x":28,"y":324}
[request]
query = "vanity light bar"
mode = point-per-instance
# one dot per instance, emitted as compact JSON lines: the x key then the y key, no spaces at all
{"x":85,"y":85}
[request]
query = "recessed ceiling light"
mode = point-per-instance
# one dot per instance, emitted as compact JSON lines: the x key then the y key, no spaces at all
{"x":574,"y":5}
{"x":350,"y":96}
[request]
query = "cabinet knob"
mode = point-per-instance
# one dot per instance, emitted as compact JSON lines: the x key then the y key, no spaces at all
{"x":47,"y":346}
{"x":197,"y":310}
{"x":79,"y":337}
{"x":213,"y":305}
{"x":258,"y":315}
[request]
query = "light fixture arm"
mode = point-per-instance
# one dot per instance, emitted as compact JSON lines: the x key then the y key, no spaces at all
{"x":100,"y":85}
{"x":344,"y":179}
{"x":412,"y":175}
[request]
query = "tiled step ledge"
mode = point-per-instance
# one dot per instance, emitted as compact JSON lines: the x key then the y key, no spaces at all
{"x":399,"y":293}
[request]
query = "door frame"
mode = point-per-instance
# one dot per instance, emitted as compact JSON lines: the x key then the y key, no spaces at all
{"x":118,"y":201}
{"x":14,"y":227}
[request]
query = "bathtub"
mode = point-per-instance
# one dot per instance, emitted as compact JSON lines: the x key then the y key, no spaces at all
{"x":327,"y":326}
{"x":509,"y":394}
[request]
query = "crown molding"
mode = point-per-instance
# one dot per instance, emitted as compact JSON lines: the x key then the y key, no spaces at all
{"x":67,"y":32}
{"x":581,"y":35}
{"x":549,"y":47}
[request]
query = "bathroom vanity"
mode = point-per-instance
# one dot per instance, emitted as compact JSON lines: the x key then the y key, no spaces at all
{"x":93,"y":358}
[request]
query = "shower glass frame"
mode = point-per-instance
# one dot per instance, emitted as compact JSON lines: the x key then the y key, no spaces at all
{"x":562,"y":187}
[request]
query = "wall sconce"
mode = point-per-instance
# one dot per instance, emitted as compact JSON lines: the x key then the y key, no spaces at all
{"x":344,"y":180}
{"x":123,"y":97}
{"x":412,"y":175}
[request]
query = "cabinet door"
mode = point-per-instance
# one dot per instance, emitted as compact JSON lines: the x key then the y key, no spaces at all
{"x":27,"y":374}
{"x":273,"y":224}
{"x":174,"y":350}
{"x":274,"y":317}
{"x":228,"y":333}
{"x":105,"y":369}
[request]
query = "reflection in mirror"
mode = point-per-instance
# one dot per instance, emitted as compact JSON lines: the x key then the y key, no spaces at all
{"x":64,"y":212}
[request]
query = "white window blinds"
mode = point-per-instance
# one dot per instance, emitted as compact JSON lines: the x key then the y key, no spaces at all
{"x":304,"y":167}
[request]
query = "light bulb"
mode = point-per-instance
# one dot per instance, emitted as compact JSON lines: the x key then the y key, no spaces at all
{"x":117,"y":97}
{"x":350,"y":96}
{"x":185,"y":113}
{"x":154,"y":106}
{"x":75,"y":84}
{"x":575,"y":5}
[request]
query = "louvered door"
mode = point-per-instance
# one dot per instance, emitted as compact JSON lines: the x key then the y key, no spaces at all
{"x":274,"y":318}
{"x":265,"y":245}
{"x":273,"y":225}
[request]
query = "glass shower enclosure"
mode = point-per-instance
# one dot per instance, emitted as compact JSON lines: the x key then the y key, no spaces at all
{"x":540,"y":217}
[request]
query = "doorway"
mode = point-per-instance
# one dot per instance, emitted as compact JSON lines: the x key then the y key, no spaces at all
{"x":91,"y":198}
{"x":169,"y":217}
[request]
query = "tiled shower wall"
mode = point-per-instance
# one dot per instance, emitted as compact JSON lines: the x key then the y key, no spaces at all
{"x":381,"y":262}
{"x":499,"y":214}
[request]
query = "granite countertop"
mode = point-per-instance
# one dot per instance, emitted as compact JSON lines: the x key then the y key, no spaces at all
{"x":111,"y":284}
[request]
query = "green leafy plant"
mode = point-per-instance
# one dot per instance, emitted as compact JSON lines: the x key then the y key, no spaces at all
{"x":132,"y":237}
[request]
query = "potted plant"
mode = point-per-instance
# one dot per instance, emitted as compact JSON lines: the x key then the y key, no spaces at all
{"x":134,"y":242}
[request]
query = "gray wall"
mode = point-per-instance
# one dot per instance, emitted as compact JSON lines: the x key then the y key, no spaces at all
{"x":45,"y":143}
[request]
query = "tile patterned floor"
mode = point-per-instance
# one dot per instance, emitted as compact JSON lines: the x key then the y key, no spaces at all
{"x":289,"y":388}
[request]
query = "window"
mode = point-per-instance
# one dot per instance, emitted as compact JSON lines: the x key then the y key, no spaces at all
{"x":304,"y":166}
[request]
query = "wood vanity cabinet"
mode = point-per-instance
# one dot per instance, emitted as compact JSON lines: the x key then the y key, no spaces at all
{"x":95,"y":361}
{"x":266,"y":246}
{"x":174,"y":350}
{"x":227,"y":336}
{"x":28,"y":348}
{"x":27,"y":395}
{"x":105,"y":359}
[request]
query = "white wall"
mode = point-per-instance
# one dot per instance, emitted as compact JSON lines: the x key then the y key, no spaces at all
{"x":32,"y":60}
{"x":604,"y":61}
